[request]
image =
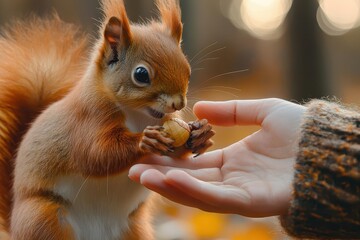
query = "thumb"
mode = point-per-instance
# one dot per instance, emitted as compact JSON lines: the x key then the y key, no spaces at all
{"x":235,"y":112}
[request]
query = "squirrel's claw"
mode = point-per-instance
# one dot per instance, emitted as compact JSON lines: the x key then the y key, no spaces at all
{"x":200,"y":137}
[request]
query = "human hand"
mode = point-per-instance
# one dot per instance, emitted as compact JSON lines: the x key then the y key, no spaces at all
{"x":251,"y":177}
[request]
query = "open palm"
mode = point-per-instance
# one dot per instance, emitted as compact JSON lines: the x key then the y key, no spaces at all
{"x":251,"y":177}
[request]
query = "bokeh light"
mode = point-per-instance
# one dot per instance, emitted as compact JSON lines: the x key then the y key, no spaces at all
{"x":338,"y":17}
{"x":262,"y":19}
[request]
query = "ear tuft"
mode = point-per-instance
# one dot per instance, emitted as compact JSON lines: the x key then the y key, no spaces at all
{"x":171,"y":17}
{"x":117,"y":29}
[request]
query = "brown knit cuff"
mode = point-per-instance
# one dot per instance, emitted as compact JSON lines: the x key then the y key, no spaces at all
{"x":326,"y":197}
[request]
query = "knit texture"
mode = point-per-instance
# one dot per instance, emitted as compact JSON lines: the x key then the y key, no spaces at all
{"x":326,"y":197}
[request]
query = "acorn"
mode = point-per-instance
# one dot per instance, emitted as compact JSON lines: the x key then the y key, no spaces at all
{"x":178,"y":130}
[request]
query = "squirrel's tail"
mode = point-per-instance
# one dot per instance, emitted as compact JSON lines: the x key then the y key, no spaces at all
{"x":40,"y":61}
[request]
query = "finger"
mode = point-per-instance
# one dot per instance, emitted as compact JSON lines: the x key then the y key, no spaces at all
{"x":196,"y":141}
{"x":201,"y":132}
{"x":157,"y":128}
{"x":156,"y":181}
{"x":199,"y":198}
{"x":198,"y":124}
{"x":149,"y":149}
{"x":205,"y":174}
{"x":213,"y":159}
{"x":236,"y":112}
{"x":212,"y":194}
{"x":155,"y":134}
{"x":155,"y":146}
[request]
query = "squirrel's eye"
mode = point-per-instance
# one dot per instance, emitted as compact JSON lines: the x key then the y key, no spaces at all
{"x":141,"y":76}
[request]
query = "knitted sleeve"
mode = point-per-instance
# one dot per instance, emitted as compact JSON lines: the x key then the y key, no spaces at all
{"x":326,"y":194}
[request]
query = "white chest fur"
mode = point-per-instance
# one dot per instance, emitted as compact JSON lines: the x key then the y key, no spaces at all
{"x":100,"y":208}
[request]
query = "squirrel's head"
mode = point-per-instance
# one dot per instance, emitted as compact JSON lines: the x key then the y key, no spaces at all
{"x":143,"y":66}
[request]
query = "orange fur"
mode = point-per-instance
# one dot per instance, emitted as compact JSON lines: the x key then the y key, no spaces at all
{"x":35,"y":70}
{"x":35,"y":216}
{"x":140,"y":229}
{"x":171,"y":17}
{"x":109,"y":149}
{"x":116,"y":8}
{"x":70,"y":170}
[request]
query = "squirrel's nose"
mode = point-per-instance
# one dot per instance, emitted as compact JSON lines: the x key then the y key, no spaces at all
{"x":177,"y":103}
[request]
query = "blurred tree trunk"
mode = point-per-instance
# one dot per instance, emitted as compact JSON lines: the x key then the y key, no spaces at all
{"x":187,"y":12}
{"x":40,"y":7}
{"x":307,"y":62}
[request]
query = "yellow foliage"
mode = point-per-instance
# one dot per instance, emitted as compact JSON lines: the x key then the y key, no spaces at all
{"x":254,"y":232}
{"x":208,"y":225}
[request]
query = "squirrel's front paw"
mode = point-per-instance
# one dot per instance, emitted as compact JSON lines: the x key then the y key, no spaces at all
{"x":155,"y":140}
{"x":201,"y":132}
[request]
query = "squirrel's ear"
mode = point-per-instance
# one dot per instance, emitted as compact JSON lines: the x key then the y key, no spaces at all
{"x":117,"y":29}
{"x":112,"y":32}
{"x":117,"y":33}
{"x":171,"y":17}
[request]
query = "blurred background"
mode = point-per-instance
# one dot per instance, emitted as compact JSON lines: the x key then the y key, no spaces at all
{"x":242,"y":49}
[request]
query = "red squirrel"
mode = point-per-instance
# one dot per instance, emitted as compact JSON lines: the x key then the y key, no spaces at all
{"x":71,"y":125}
